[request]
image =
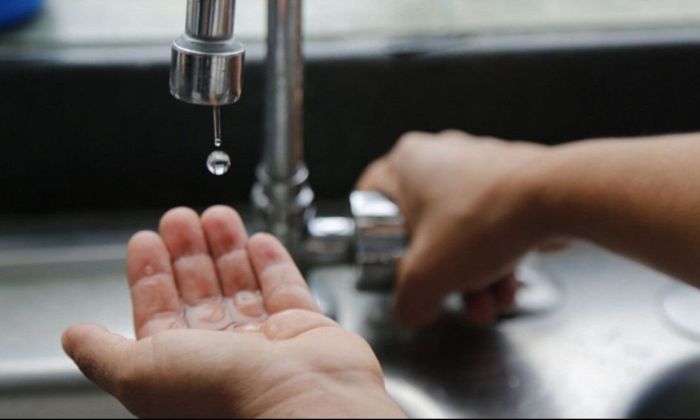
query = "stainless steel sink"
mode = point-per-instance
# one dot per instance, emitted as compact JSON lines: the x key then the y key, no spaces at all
{"x":673,"y":394}
{"x":43,"y":291}
{"x":591,"y":345}
{"x":590,"y":355}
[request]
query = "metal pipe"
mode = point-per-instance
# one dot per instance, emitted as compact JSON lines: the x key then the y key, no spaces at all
{"x":282,"y":193}
{"x":284,"y":92}
{"x":210,"y":20}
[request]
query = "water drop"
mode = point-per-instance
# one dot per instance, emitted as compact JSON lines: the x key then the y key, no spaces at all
{"x":218,"y":162}
{"x":217,"y":142}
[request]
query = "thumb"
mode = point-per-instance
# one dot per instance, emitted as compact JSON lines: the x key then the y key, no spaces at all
{"x":100,"y":354}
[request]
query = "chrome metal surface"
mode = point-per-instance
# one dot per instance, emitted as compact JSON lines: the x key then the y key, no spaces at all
{"x":203,"y":74}
{"x":681,"y":305}
{"x":330,"y":239}
{"x":207,"y":62}
{"x":380,"y":239}
{"x":282,"y":193}
{"x":673,"y":394}
{"x":596,"y":353}
{"x":210,"y":20}
{"x":206,"y":69}
{"x":284,"y":91}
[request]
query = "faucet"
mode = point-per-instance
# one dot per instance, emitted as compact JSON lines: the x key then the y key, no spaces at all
{"x":207,"y":69}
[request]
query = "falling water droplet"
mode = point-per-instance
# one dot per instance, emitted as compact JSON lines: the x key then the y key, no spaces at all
{"x":217,"y":142}
{"x":218,"y":162}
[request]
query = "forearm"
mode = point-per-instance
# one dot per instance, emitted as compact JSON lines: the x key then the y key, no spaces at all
{"x":638,"y":197}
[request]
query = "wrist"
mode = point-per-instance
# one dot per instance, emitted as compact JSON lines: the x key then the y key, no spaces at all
{"x":320,"y":396}
{"x":557,"y":195}
{"x":528,"y":189}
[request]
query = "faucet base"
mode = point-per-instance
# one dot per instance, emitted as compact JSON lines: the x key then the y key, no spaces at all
{"x":285,"y":206}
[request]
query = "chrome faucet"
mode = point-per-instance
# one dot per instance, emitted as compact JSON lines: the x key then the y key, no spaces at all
{"x":207,"y":69}
{"x":282,"y":194}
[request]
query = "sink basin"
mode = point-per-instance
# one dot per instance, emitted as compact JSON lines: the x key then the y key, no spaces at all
{"x":585,"y":347}
{"x":674,"y":394}
{"x":42,"y":292}
{"x":89,"y":402}
{"x":589,"y":339}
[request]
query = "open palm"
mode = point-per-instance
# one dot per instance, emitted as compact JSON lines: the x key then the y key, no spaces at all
{"x":226,"y":326}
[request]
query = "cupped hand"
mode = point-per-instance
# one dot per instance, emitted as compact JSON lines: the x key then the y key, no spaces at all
{"x":468,"y":205}
{"x":226,"y":327}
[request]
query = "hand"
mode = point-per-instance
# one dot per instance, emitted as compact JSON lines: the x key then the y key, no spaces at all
{"x":467,"y":205}
{"x":225,"y":327}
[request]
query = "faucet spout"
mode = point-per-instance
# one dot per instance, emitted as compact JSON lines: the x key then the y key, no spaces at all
{"x":207,"y":68}
{"x":207,"y":62}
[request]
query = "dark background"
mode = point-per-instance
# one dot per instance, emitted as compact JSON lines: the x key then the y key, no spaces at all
{"x":89,"y":135}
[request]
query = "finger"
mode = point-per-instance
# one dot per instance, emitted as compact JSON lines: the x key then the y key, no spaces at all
{"x":417,"y":307}
{"x":156,"y":305}
{"x":481,"y":308}
{"x":380,"y":176}
{"x":101,"y":355}
{"x":459,"y":135}
{"x":420,"y":289}
{"x":193,"y":267}
{"x":504,"y":293}
{"x":281,"y":283}
{"x":553,"y":244}
{"x":226,"y":236}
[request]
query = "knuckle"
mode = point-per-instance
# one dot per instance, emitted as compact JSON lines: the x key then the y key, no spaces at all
{"x":375,"y":169}
{"x":408,"y":145}
{"x":410,"y":139}
{"x":453,"y":133}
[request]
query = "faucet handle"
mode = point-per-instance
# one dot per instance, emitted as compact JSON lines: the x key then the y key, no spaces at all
{"x":380,"y":239}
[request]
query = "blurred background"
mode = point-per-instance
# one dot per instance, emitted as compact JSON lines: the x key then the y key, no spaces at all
{"x":98,"y":22}
{"x":88,"y":123}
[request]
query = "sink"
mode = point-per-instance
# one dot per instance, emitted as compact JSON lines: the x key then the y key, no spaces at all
{"x":43,"y":291}
{"x":585,"y":347}
{"x":82,"y":403}
{"x":590,"y":338}
{"x":674,"y":394}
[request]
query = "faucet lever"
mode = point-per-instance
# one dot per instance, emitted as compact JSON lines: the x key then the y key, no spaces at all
{"x":374,"y":238}
{"x":380,"y":239}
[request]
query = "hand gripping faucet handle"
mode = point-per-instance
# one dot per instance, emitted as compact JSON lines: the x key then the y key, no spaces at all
{"x":380,"y":239}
